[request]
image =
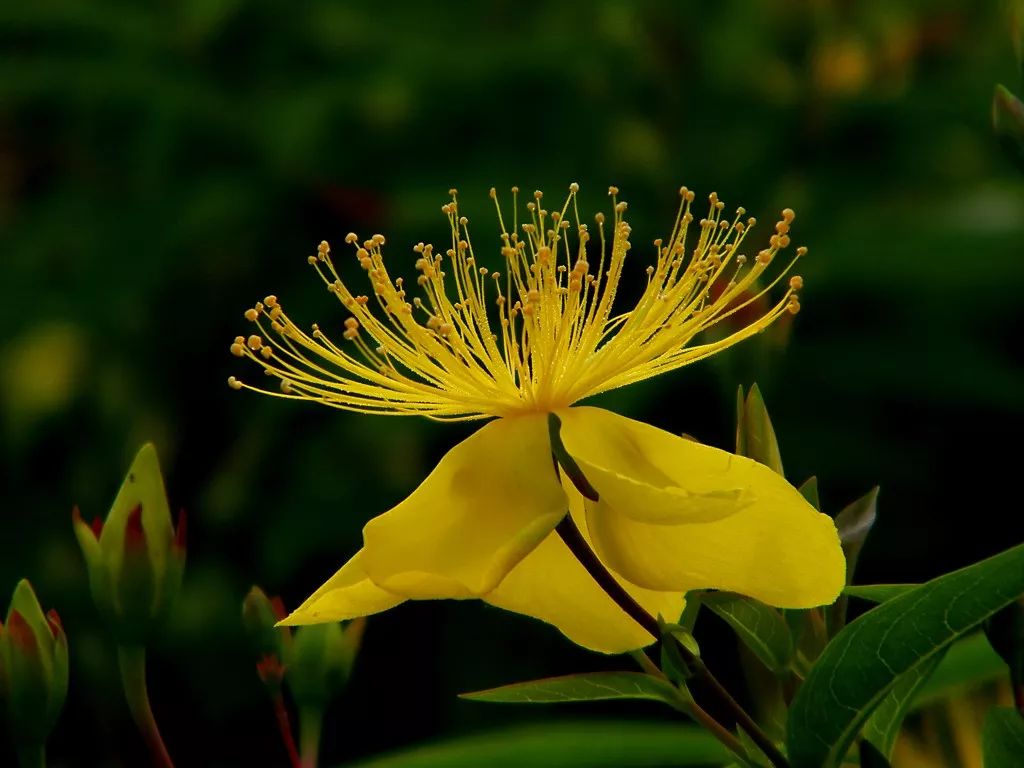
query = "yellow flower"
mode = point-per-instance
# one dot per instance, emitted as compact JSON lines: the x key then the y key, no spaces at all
{"x":531,"y":340}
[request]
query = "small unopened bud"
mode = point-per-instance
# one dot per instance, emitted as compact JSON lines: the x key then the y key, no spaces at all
{"x":135,"y":558}
{"x":33,"y":668}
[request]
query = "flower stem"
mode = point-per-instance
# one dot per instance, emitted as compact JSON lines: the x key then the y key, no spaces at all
{"x":32,"y":756}
{"x":693,"y":709}
{"x":132,"y":660}
{"x":284,"y":724}
{"x":574,"y":540}
{"x":311,"y":721}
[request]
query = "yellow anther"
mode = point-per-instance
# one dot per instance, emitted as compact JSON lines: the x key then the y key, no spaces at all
{"x":801,"y":251}
{"x":254,"y":342}
{"x":378,"y":240}
{"x":270,"y":301}
{"x":793,"y":307}
{"x":267,"y":352}
{"x":796,"y":282}
{"x":764,"y":258}
{"x":237,"y":350}
{"x":613,"y":190}
{"x":324,"y":247}
{"x":251,"y":315}
{"x":574,"y":187}
{"x":351,"y":237}
{"x":234,"y":383}
{"x":286,"y":386}
{"x":788,"y":215}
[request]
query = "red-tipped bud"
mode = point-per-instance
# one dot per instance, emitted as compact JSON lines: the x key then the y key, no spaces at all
{"x":135,"y":557}
{"x":34,"y":661}
{"x":180,"y":533}
{"x":134,"y":535}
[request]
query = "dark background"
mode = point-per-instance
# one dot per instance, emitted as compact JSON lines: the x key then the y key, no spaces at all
{"x":163,"y":166}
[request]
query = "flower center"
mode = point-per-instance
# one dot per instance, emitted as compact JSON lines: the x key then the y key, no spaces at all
{"x":538,"y":335}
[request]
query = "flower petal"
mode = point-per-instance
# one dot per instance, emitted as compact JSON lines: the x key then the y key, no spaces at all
{"x":550,"y":584}
{"x":654,"y":476}
{"x":491,"y":500}
{"x":775,"y":546}
{"x":348,"y":594}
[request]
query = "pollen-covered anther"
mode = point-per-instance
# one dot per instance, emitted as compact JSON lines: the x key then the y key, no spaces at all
{"x":267,"y":352}
{"x":234,"y":383}
{"x":324,"y":248}
{"x":251,"y":314}
{"x":764,"y":258}
{"x":794,"y":305}
{"x":788,"y":215}
{"x":286,"y":386}
{"x":238,"y":350}
{"x":351,"y":237}
{"x":270,"y":301}
{"x":254,"y":342}
{"x":801,"y":251}
{"x":378,"y":240}
{"x":574,"y":187}
{"x":621,"y":207}
{"x":796,"y":282}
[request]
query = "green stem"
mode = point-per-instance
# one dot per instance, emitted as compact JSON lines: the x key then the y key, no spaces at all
{"x":579,"y":547}
{"x":311,"y":720}
{"x":32,"y":756}
{"x":693,"y":709}
{"x":132,"y":660}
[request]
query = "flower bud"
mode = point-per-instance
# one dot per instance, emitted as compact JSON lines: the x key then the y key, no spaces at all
{"x":33,"y":667}
{"x":136,"y":557}
{"x":320,"y":660}
{"x":269,"y":643}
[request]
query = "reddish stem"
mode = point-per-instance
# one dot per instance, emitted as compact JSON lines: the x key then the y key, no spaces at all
{"x":284,"y":724}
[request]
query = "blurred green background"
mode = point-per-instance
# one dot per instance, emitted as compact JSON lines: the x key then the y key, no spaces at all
{"x":163,"y":166}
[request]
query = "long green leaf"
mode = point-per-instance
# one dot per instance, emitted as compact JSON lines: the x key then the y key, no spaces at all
{"x":760,"y":627}
{"x":857,"y":669}
{"x":883,"y":726}
{"x":878,"y":593}
{"x":592,"y":744}
{"x":590,"y":686}
{"x":968,"y":663}
{"x":1002,"y":739}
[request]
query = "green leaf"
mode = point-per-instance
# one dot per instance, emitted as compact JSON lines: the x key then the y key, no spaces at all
{"x":1008,"y":123}
{"x":608,"y":744}
{"x":968,"y":663}
{"x":761,"y":628}
{"x":855,"y":672}
{"x":854,"y":523}
{"x":883,"y":726}
{"x":878,"y":593}
{"x":1002,"y":739}
{"x":1005,"y":631}
{"x":589,"y":686}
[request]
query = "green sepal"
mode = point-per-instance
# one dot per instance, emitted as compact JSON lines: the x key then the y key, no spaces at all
{"x":319,"y":661}
{"x":755,"y":436}
{"x":854,"y":522}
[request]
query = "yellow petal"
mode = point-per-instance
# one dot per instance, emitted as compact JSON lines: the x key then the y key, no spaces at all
{"x":551,"y":585}
{"x":775,"y":546}
{"x":654,"y":476}
{"x":491,"y":500}
{"x":348,"y":594}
